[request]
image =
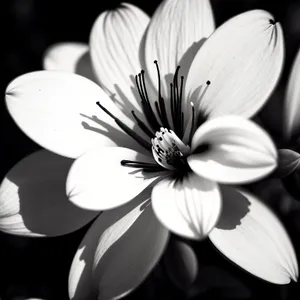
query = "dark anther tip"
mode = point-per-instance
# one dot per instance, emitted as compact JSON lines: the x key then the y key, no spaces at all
{"x":155,"y":61}
{"x":208,"y":82}
{"x":143,"y":71}
{"x":272,"y":22}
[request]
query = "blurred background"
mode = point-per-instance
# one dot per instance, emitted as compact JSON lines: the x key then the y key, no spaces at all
{"x":38,"y":268}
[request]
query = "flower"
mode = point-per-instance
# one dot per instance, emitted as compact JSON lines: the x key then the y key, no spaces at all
{"x":168,"y":134}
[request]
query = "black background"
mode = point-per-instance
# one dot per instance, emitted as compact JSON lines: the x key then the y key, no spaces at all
{"x":39,"y":267}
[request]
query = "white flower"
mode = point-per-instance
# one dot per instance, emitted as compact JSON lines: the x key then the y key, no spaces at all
{"x":170,"y":136}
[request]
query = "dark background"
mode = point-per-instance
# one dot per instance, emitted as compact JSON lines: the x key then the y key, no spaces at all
{"x":39,"y":267}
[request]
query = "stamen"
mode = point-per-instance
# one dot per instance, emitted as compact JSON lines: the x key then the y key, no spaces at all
{"x":176,"y":103}
{"x":142,"y":88}
{"x":142,"y":125}
{"x":126,"y":129}
{"x":200,"y":118}
{"x":158,"y":76}
{"x":144,"y":85}
{"x":158,"y":110}
{"x":147,"y":167}
{"x":192,"y":125}
{"x":175,"y":82}
{"x":139,"y":88}
{"x":160,"y":107}
{"x":172,"y":101}
{"x":168,"y":150}
{"x":163,"y":111}
{"x":146,"y":105}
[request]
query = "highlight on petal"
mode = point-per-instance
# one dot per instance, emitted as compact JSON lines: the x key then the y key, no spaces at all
{"x":288,"y":162}
{"x":99,"y":267}
{"x":97,"y":180}
{"x":176,"y":32}
{"x":58,"y":111}
{"x":242,"y":60}
{"x":232,"y":149}
{"x":292,"y":100}
{"x":189,"y":207}
{"x":33,"y":201}
{"x":250,"y":235}
{"x":114,"y":43}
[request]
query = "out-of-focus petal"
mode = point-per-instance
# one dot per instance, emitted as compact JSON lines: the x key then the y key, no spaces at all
{"x":181,"y":263}
{"x":118,"y":252}
{"x":250,"y":235}
{"x":33,"y":201}
{"x":292,"y":100}
{"x":189,"y":207}
{"x":232,"y":149}
{"x":288,"y":162}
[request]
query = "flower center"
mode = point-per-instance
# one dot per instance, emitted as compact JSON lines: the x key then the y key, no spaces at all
{"x":166,"y":145}
{"x":168,"y":150}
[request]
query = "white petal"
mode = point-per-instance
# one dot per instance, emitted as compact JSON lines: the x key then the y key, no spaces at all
{"x":176,"y":32}
{"x":33,"y":201}
{"x":243,"y":60}
{"x":239,"y":151}
{"x":292,"y":100}
{"x":124,"y":245}
{"x":70,"y":57}
{"x":114,"y":42}
{"x":98,"y":181}
{"x":58,"y":111}
{"x":250,"y":235}
{"x":64,"y":56}
{"x":189,"y":207}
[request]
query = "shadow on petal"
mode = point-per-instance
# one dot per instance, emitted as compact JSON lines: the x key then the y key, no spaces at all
{"x":33,"y":200}
{"x":188,"y":57}
{"x":84,"y":67}
{"x":232,"y":214}
{"x":118,"y":252}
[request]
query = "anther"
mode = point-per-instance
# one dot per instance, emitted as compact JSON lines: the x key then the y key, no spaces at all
{"x":272,"y":22}
{"x":168,"y":150}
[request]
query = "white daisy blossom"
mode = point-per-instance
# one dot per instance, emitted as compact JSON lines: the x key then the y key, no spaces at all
{"x":169,"y":134}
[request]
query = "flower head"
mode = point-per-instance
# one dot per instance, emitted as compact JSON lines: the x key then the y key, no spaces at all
{"x":170,"y":134}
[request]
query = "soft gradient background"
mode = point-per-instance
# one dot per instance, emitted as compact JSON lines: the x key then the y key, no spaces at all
{"x":38,"y":268}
